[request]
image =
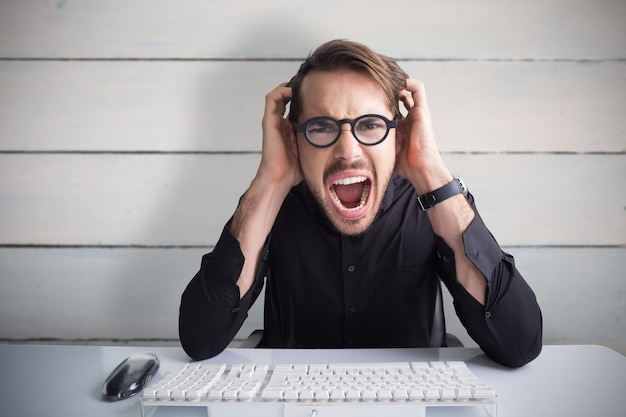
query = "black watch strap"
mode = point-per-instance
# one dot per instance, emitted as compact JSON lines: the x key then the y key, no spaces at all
{"x":454,"y":187}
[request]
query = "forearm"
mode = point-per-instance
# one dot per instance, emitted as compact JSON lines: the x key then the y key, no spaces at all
{"x":252,"y":223}
{"x":509,"y":326}
{"x":450,"y":219}
{"x":211,"y":311}
{"x":207,"y":321}
{"x":278,"y":172}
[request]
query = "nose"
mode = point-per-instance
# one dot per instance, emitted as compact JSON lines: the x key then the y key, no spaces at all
{"x":347,"y":147}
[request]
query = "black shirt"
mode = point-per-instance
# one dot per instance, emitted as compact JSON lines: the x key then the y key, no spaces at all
{"x":327,"y":290}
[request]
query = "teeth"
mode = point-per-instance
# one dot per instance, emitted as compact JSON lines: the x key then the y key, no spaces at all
{"x":366,"y":193}
{"x":350,"y":180}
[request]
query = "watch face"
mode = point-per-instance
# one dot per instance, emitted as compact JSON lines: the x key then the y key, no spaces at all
{"x":465,"y":190}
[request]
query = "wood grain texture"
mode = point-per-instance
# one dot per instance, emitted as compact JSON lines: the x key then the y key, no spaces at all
{"x":217,"y":106}
{"x":194,"y":29}
{"x":186,"y":199}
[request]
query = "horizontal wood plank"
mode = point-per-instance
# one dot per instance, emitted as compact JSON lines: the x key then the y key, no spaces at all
{"x":479,"y":29}
{"x":93,"y":293}
{"x":217,"y":106}
{"x":120,"y":199}
{"x":186,"y":199}
{"x":135,"y":293}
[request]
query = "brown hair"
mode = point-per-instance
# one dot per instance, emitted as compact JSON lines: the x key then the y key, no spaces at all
{"x":341,"y":54}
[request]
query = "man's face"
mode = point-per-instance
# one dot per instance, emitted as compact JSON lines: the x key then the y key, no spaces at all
{"x":348,"y":179}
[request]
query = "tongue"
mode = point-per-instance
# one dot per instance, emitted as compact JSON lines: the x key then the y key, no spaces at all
{"x":350,"y":195}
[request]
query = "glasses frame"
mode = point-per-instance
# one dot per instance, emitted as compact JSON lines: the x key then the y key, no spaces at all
{"x":302,"y":128}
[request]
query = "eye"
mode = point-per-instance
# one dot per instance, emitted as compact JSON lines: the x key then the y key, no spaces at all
{"x":322,"y":126}
{"x":371,"y":123}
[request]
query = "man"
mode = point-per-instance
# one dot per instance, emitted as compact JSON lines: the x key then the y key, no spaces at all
{"x":333,"y":225}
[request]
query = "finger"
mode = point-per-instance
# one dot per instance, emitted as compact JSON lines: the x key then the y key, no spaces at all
{"x":407,"y":99}
{"x":418,"y":92}
{"x":277,"y":99}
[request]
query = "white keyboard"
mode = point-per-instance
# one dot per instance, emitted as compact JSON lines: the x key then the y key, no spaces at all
{"x":322,"y":390}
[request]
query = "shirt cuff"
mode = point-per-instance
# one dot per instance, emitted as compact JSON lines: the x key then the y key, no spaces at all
{"x":226,"y":258}
{"x":481,"y":248}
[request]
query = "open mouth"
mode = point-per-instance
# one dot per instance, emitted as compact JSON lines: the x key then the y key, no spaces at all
{"x":351,"y":194}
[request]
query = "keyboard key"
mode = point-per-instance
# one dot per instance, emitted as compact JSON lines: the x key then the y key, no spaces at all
{"x":437,"y":364}
{"x":150,"y":393}
{"x":307,"y":395}
{"x":448,"y":394}
{"x":321,"y":395}
{"x":178,"y":393}
{"x":247,"y":393}
{"x":384,"y":395}
{"x":258,"y":374}
{"x":369,"y":395}
{"x":216,"y":394}
{"x":431,"y":394}
{"x":291,"y":394}
{"x":272,"y":394}
{"x":416,"y":394}
{"x":400,"y":395}
{"x":163,"y":393}
{"x":194,"y":394}
{"x":337,"y":395}
{"x":456,"y":364}
{"x":483,"y":393}
{"x":353,"y":395}
{"x":230,"y":394}
{"x":464,"y":393}
{"x":287,"y":368}
{"x":370,"y":366}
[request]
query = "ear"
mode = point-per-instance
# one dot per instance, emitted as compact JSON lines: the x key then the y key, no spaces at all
{"x":399,"y":135}
{"x":293,"y":140}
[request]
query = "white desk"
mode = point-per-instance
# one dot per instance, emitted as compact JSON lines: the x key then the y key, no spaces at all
{"x":41,"y":381}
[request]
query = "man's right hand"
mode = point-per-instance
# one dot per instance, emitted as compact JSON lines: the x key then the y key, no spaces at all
{"x":279,"y":162}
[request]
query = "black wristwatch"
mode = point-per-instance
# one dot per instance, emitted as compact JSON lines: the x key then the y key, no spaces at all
{"x":454,"y":187}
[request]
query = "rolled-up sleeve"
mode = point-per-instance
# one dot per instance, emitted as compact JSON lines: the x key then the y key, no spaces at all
{"x":509,"y":326}
{"x":211,"y":312}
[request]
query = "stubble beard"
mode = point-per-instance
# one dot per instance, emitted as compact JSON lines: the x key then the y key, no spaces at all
{"x":345,"y":226}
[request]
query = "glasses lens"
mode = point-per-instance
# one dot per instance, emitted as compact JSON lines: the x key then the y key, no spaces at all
{"x":322,"y":131}
{"x":370,"y":129}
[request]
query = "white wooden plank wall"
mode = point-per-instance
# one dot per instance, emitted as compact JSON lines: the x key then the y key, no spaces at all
{"x":128,"y":130}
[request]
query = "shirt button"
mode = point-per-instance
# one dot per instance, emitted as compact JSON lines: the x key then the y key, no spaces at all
{"x":446,"y":259}
{"x":351,"y":268}
{"x":353,"y":309}
{"x":488,"y":314}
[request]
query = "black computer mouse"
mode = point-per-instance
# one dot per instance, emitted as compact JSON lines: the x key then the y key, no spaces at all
{"x":130,"y":376}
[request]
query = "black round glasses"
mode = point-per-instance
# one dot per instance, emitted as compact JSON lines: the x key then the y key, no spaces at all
{"x":324,"y":131}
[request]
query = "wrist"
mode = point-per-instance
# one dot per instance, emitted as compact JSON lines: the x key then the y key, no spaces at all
{"x":272,"y":183}
{"x":450,"y":189}
{"x":430,"y":179}
{"x":270,"y":191}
